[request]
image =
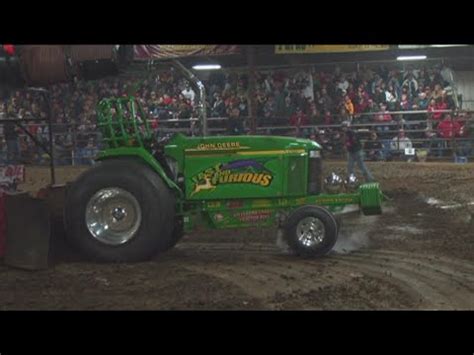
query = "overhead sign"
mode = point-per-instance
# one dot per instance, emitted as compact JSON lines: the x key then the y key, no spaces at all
{"x":327,"y":48}
{"x":165,"y":51}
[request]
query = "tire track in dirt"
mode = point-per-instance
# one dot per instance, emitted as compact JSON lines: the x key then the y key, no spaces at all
{"x":434,"y":282}
{"x":427,"y":296}
{"x":466,"y":265}
{"x":274,"y":271}
{"x":442,"y":268}
{"x":278,"y":276}
{"x":437,"y":292}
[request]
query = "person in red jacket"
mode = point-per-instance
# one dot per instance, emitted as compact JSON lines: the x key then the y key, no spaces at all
{"x":449,"y":128}
{"x":299,"y":118}
{"x":440,"y":104}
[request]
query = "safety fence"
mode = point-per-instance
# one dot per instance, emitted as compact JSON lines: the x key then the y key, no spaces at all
{"x":404,"y":135}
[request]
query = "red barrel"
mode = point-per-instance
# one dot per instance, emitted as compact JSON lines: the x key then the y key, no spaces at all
{"x":43,"y":65}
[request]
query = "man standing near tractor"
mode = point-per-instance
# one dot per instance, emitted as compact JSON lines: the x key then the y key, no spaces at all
{"x":354,"y":152}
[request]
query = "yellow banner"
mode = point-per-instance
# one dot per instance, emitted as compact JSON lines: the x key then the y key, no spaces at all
{"x":327,"y":48}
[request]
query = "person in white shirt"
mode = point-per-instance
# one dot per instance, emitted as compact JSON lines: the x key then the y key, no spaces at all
{"x":448,"y":75}
{"x":189,"y":93}
{"x":399,"y":144}
{"x":343,"y":84}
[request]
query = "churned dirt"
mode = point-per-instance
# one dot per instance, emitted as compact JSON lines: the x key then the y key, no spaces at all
{"x":418,"y":255}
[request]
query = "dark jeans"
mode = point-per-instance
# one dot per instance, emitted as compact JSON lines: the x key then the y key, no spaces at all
{"x":358,"y":157}
{"x":465,"y":148}
{"x":13,"y":151}
{"x":436,"y":146}
{"x":386,"y":149}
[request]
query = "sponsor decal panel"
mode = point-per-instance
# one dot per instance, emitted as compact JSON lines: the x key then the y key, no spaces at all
{"x":250,"y":172}
{"x":253,"y":216}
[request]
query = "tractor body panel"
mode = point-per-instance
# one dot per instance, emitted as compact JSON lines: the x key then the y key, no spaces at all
{"x":242,"y":166}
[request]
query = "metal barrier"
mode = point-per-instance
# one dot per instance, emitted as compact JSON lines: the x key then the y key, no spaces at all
{"x":75,"y":145}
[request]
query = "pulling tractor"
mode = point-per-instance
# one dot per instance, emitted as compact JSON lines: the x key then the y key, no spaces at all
{"x":144,"y":193}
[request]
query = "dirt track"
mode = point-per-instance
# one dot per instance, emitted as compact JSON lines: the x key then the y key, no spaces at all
{"x":415,"y":256}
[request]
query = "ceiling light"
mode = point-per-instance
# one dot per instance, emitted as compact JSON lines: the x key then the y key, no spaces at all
{"x":206,"y":67}
{"x":412,"y":57}
{"x":448,"y":45}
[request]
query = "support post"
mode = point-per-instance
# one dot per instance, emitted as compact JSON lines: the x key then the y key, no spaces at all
{"x":251,"y":89}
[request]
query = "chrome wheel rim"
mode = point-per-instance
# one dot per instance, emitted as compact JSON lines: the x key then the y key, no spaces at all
{"x":113,"y":216}
{"x":310,"y":232}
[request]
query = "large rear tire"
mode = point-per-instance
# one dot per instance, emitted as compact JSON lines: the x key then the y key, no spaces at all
{"x":177,"y":234}
{"x":119,"y":211}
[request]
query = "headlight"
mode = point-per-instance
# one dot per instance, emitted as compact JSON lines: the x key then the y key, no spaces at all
{"x":333,"y":184}
{"x":351,"y":183}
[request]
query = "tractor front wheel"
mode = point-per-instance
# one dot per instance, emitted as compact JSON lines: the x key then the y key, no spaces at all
{"x":311,"y":231}
{"x":119,"y":210}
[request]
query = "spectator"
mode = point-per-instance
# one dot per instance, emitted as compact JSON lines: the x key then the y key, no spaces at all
{"x":411,"y":84}
{"x":325,"y":101}
{"x":269,"y":109}
{"x":447,"y":75}
{"x":383,"y":117}
{"x":449,"y":128}
{"x":401,"y":141}
{"x":188,"y":93}
{"x":437,"y":92}
{"x":354,"y":152}
{"x":373,"y":148}
{"x":343,"y":115}
{"x":394,"y":83}
{"x":399,"y":144}
{"x":288,"y":108}
{"x":348,"y":105}
{"x":405,"y":103}
{"x":466,"y":146}
{"x":421,"y":102}
{"x":328,"y":118}
{"x":235,"y":125}
{"x":440,"y":105}
{"x":371,"y":108}
{"x":391,"y":98}
{"x":434,"y":144}
{"x":361,"y":104}
{"x":379,"y":95}
{"x":342,"y":84}
{"x":299,"y":118}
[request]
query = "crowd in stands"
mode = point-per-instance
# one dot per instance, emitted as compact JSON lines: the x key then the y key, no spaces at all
{"x":282,"y":97}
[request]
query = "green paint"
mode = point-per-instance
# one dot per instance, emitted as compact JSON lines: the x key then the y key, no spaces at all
{"x":145,"y":156}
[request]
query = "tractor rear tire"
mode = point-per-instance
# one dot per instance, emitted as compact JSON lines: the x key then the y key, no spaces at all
{"x":311,"y":231}
{"x":178,"y":232}
{"x":119,"y":211}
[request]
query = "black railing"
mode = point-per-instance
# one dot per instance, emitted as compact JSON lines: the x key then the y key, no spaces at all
{"x":76,"y":144}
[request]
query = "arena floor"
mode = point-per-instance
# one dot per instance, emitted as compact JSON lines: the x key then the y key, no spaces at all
{"x":418,"y":255}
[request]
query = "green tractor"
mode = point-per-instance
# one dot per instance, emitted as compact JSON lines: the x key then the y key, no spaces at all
{"x":144,"y":193}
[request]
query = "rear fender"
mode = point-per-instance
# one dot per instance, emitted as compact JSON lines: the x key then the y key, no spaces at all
{"x":146,"y":157}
